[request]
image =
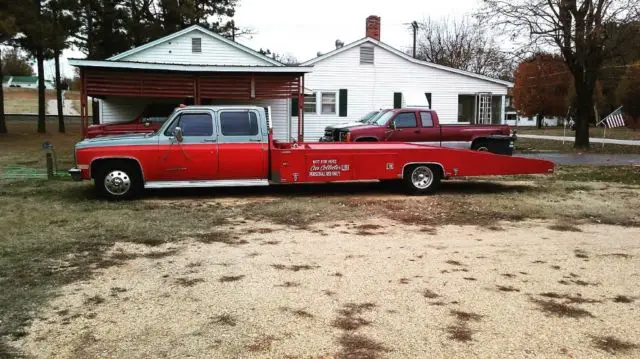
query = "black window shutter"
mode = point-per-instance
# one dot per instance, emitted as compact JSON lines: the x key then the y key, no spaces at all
{"x":294,"y":107}
{"x":397,"y":100}
{"x":343,"y":103}
{"x":428,"y":94}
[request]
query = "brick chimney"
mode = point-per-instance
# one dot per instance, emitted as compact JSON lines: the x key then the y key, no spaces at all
{"x":373,"y":27}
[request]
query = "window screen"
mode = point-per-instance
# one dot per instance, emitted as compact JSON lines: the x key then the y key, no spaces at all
{"x":427,"y":120}
{"x":310,"y":103}
{"x":239,"y":124}
{"x":406,"y":120}
{"x":192,"y":124}
{"x":328,"y":103}
{"x":196,"y":44}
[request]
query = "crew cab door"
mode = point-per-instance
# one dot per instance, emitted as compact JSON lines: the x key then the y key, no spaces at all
{"x":243,"y":145}
{"x":429,"y":133}
{"x":404,"y":128}
{"x":196,"y":157}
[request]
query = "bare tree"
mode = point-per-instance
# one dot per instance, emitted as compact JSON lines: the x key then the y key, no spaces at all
{"x":577,"y":29}
{"x":462,"y":44}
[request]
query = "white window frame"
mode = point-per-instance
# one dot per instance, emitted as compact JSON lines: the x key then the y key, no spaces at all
{"x":318,"y":96}
{"x":335,"y":103}
{"x":304,"y":108}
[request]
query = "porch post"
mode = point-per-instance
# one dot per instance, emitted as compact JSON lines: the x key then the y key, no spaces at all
{"x":503,"y":110}
{"x":301,"y":110}
{"x":197,"y":100}
{"x":84,"y":110}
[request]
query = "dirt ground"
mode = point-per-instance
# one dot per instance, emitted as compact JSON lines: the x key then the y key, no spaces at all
{"x":369,"y":288}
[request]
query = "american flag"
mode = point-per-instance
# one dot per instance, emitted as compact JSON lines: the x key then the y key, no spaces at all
{"x":615,"y":119}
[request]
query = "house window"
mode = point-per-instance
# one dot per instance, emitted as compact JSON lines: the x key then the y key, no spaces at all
{"x":196,"y":45}
{"x":366,"y":55}
{"x":328,"y":103}
{"x":310,"y":103}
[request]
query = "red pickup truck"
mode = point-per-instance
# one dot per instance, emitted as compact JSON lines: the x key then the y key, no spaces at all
{"x":221,"y":146}
{"x":419,"y":125}
{"x":148,"y":121}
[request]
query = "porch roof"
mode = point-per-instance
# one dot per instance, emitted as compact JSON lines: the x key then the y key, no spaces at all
{"x":129,"y":65}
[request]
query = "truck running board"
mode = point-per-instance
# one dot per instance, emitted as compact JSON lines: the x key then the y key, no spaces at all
{"x":205,"y":184}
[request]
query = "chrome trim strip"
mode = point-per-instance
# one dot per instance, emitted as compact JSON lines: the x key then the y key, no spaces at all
{"x":205,"y":184}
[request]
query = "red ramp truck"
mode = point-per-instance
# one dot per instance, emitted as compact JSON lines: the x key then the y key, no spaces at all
{"x":223,"y":146}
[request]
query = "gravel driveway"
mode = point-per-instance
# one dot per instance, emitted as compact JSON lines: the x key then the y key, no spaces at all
{"x":367,"y":289}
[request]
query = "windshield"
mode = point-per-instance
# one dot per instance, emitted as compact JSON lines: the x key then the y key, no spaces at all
{"x":368,"y":117}
{"x":383,"y":118}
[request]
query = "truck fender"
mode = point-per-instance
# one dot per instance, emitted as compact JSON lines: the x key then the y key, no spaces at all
{"x":98,"y":160}
{"x":438,"y":164}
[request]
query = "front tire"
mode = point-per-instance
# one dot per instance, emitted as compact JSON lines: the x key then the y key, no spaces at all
{"x":118,"y":181}
{"x":422,"y":179}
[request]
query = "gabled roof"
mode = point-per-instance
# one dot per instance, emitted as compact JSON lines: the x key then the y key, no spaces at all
{"x":404,"y":56}
{"x":189,"y":30}
{"x":25,"y":79}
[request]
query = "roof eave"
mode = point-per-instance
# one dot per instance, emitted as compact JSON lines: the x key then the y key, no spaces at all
{"x":124,"y":65}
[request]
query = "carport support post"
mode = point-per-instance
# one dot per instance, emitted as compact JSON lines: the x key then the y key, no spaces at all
{"x":301,"y":109}
{"x":84,"y":110}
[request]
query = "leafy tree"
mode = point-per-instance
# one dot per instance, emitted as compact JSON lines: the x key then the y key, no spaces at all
{"x":14,"y":64}
{"x":578,"y":29}
{"x":629,"y":91}
{"x":8,"y":29}
{"x":542,"y":86}
{"x":462,"y":44}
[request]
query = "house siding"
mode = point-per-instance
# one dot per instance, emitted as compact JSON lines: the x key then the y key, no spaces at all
{"x":371,"y":87}
{"x":178,"y":51}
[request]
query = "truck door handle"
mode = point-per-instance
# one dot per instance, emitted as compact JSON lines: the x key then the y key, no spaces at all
{"x":210,"y":140}
{"x":255,"y":140}
{"x":416,"y":131}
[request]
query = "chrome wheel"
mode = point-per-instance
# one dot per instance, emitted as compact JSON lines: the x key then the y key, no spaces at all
{"x":483,"y":149}
{"x":117,"y":183}
{"x":422,"y":177}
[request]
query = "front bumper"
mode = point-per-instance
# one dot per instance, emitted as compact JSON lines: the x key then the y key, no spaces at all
{"x":75,"y":173}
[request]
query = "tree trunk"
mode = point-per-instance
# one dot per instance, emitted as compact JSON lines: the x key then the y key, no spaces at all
{"x":539,"y":119}
{"x":3,"y":124}
{"x":584,"y":113}
{"x":41,"y":93}
{"x":59,"y":94}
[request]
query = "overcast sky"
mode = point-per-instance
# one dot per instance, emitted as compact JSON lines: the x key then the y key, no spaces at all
{"x":302,"y":28}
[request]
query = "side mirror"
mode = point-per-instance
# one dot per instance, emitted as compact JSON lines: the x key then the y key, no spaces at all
{"x":177,"y":133}
{"x":147,"y":123}
{"x":393,"y":125}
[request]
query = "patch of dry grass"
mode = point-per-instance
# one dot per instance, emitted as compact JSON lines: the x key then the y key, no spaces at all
{"x":560,"y":309}
{"x":230,"y":278}
{"x":563,"y":227}
{"x":188,"y":282}
{"x":360,"y":346}
{"x":613,"y":345}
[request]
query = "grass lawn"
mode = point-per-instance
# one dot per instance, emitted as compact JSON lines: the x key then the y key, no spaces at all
{"x":25,"y":101}
{"x":613,"y":133}
{"x":527,"y":145}
{"x":56,"y":232}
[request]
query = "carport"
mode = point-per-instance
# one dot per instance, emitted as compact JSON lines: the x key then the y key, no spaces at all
{"x":194,"y":84}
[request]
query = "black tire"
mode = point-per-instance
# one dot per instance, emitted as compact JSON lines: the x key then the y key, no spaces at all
{"x":118,"y":180}
{"x":422,"y":179}
{"x":482,"y":146}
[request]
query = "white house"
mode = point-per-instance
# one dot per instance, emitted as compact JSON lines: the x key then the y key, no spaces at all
{"x":367,"y":75}
{"x":26,"y":82}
